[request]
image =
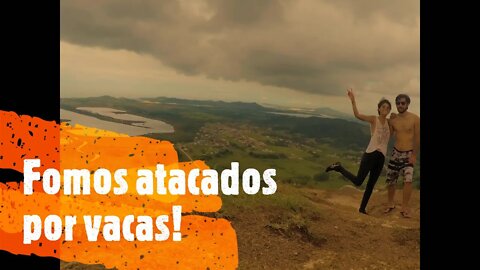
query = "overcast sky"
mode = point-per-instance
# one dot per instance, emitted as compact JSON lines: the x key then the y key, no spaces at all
{"x":300,"y":53}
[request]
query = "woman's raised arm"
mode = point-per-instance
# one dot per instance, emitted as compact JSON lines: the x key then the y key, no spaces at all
{"x":366,"y":118}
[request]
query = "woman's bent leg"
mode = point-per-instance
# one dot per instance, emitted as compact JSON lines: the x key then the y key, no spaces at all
{"x":365,"y":167}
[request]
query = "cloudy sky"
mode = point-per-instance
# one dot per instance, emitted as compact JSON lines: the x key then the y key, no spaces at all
{"x":299,"y":53}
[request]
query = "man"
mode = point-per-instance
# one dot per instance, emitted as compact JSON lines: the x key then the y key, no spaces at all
{"x":406,"y":129}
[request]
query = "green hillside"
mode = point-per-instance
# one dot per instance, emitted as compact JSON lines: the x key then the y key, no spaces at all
{"x":219,"y":132}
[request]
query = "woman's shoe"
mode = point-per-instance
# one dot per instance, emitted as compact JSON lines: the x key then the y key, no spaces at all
{"x":333,"y":167}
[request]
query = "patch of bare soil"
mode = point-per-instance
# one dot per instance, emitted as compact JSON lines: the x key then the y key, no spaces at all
{"x":335,"y":236}
{"x":329,"y":233}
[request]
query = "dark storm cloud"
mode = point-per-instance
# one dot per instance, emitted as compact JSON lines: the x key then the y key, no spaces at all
{"x":405,"y":12}
{"x":311,"y":46}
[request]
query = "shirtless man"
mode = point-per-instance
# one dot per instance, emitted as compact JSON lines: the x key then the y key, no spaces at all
{"x":406,"y":129}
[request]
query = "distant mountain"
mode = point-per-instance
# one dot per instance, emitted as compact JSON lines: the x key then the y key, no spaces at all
{"x":322,"y":112}
{"x":206,"y":103}
{"x":333,"y":113}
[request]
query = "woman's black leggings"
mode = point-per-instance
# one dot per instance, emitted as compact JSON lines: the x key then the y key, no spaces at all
{"x":371,"y":162}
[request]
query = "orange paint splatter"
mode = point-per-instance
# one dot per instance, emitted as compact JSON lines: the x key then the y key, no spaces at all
{"x":206,"y":242}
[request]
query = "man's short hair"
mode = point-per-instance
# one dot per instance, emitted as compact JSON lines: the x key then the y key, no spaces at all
{"x":405,"y":96}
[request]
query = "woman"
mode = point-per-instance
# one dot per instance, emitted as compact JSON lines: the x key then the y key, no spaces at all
{"x":374,"y":157}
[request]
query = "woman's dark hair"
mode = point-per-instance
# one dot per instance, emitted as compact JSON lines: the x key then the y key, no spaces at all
{"x":383,"y":101}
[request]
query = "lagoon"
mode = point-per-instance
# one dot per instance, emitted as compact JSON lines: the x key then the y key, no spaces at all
{"x":139,"y":126}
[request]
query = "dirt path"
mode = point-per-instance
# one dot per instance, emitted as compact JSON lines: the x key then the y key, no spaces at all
{"x":333,"y":236}
{"x":305,"y":228}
